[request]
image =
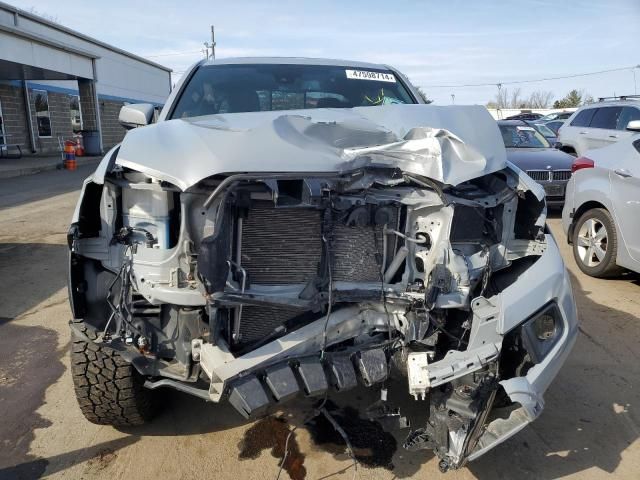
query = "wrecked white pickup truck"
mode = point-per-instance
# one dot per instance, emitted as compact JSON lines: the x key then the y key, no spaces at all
{"x":253,"y":256}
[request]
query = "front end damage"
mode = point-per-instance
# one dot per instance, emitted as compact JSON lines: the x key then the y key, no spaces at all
{"x":261,"y":288}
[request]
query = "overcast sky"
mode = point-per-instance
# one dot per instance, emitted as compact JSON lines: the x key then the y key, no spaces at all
{"x":434,"y":42}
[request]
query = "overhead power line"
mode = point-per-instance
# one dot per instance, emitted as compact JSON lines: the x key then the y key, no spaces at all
{"x":173,"y":54}
{"x":516,"y":82}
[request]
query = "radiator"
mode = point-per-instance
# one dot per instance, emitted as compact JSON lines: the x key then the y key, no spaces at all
{"x":281,"y":246}
{"x":284,"y":246}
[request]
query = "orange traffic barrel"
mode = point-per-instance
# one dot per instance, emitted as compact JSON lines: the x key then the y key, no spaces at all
{"x":70,"y":155}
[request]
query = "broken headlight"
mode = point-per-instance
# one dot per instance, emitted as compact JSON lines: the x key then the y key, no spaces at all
{"x":542,"y":331}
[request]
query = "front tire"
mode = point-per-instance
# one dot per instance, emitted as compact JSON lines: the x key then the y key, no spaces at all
{"x":109,"y":390}
{"x":595,"y":244}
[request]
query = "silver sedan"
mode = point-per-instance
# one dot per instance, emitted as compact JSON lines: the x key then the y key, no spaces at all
{"x":600,"y":216}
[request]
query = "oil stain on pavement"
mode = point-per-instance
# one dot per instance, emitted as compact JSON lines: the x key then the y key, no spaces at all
{"x":372,"y":445}
{"x":271,"y":433}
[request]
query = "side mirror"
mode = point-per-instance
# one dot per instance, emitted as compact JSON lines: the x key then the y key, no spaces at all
{"x":136,"y":115}
{"x":634,"y":125}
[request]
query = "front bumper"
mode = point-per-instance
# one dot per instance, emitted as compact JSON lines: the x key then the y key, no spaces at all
{"x":553,"y":284}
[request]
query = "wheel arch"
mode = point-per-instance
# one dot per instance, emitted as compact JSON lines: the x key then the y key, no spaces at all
{"x":585,"y":207}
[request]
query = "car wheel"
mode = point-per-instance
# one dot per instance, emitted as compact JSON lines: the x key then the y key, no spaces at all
{"x":595,"y":244}
{"x":109,"y":390}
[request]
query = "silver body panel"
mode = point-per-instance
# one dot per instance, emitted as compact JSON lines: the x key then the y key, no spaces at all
{"x":432,"y":163}
{"x":614,"y":184}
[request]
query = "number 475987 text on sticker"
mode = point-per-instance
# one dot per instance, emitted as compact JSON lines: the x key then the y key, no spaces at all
{"x":368,"y":75}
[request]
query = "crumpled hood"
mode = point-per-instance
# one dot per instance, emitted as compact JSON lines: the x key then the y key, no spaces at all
{"x":450,"y":144}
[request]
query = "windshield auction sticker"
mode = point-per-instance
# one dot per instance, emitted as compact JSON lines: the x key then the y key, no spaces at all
{"x":368,"y":75}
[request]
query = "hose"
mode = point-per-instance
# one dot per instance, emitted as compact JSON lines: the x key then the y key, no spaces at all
{"x":421,"y":239}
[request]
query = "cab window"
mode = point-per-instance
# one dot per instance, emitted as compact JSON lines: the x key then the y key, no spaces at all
{"x":583,"y":119}
{"x":606,"y":117}
{"x":628,"y":115}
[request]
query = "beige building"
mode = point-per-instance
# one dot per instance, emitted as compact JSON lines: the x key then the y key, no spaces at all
{"x":55,"y":82}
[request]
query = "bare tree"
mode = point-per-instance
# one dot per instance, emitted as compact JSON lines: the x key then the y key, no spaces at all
{"x":506,"y":98}
{"x":516,"y":100}
{"x":540,"y":99}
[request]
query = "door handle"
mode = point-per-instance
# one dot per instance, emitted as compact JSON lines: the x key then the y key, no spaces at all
{"x":623,"y":173}
{"x":613,"y":136}
{"x":583,"y":133}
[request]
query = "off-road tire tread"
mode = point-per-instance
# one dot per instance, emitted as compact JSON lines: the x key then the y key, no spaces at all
{"x":109,"y":390}
{"x":610,"y":268}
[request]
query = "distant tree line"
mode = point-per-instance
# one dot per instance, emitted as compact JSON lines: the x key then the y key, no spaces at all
{"x":514,"y":98}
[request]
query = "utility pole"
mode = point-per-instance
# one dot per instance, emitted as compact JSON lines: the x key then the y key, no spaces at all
{"x":211,"y":45}
{"x":500,"y":106}
{"x":453,"y":99}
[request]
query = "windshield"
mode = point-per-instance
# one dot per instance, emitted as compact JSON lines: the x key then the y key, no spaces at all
{"x":217,"y":89}
{"x":556,"y":116}
{"x":516,"y":136}
{"x":544,"y":130}
{"x":548,"y":118}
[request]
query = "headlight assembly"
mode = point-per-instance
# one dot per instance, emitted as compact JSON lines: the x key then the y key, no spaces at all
{"x":541,"y":332}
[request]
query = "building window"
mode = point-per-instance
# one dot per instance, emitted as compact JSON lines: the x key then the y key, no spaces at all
{"x":2,"y":133}
{"x":41,"y":99}
{"x":76,"y":113}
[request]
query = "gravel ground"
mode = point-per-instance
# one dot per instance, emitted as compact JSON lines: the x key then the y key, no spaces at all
{"x":589,"y":430}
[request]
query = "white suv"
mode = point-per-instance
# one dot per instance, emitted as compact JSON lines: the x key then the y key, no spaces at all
{"x":598,"y":125}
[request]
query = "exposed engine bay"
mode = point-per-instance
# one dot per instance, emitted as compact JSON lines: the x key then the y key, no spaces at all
{"x":261,"y":288}
{"x":272,"y":285}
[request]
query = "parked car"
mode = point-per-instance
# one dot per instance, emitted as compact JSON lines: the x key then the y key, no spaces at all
{"x":601,"y":212}
{"x":554,"y":126}
{"x":269,"y":258}
{"x":563,"y":115}
{"x":545,"y":131}
{"x":530,"y":151}
{"x":598,"y":125}
{"x":525,"y":116}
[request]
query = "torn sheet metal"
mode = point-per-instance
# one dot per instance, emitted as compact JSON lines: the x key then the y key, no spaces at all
{"x":422,"y":139}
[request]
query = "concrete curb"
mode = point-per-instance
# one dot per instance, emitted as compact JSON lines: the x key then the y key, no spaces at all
{"x":21,"y":172}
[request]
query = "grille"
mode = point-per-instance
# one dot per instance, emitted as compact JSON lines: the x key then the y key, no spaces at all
{"x":539,"y":175}
{"x":562,"y":175}
{"x":549,"y":175}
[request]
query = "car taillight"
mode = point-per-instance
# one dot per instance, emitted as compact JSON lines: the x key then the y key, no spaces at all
{"x":580,"y":163}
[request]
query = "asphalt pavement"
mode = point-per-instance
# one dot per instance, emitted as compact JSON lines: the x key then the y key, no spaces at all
{"x":590,"y":428}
